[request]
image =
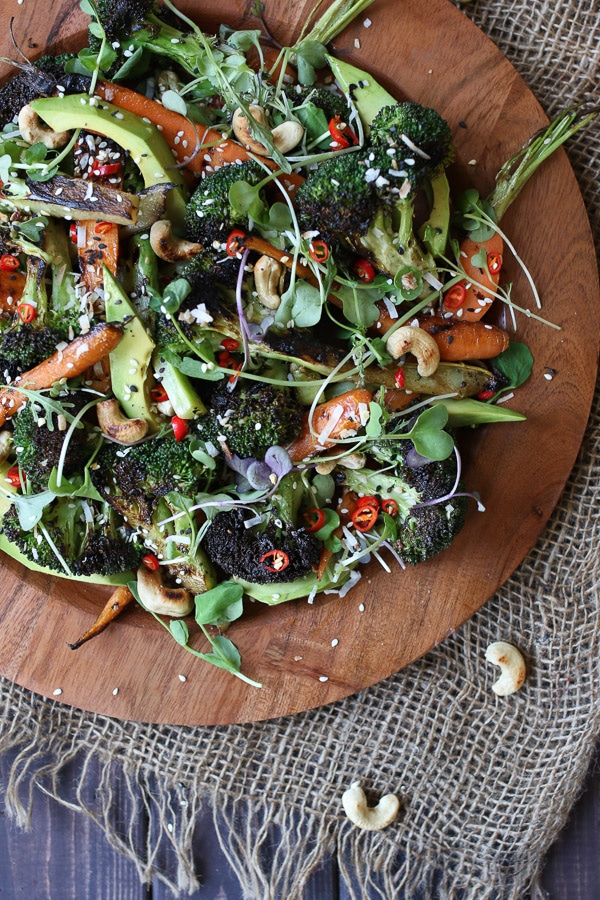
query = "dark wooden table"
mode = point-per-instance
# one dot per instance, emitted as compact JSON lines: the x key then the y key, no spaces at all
{"x":65,"y":856}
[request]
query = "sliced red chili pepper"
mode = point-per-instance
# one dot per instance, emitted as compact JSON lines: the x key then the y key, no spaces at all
{"x":399,"y":378}
{"x":13,"y":477}
{"x":485,"y":395}
{"x":73,"y":232}
{"x":107,"y":169}
{"x":342,"y":134}
{"x":319,"y":251}
{"x":389,"y":506}
{"x":103,"y":227}
{"x":180,"y":427}
{"x":8,"y":262}
{"x":235,"y":242}
{"x":158,"y":394}
{"x":314,"y":518}
{"x":494,"y":263}
{"x":275,"y":560}
{"x":367,"y":500}
{"x":151,"y":561}
{"x":230,"y":344}
{"x":364,"y":517}
{"x":455,"y":297}
{"x":26,"y":312}
{"x":224,"y":358}
{"x":364,"y":271}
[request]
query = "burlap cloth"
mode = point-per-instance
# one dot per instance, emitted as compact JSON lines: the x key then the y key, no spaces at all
{"x":486,"y":784}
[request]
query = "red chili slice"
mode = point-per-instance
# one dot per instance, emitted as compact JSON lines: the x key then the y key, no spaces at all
{"x":399,"y":378}
{"x":342,"y":134}
{"x":367,"y":500}
{"x":314,"y":518}
{"x":158,"y":394}
{"x":103,"y":227}
{"x":13,"y":477}
{"x":275,"y":560}
{"x":494,"y":263}
{"x":235,"y":242}
{"x":26,"y":312}
{"x":364,"y":271}
{"x":319,"y":251}
{"x":364,"y":517}
{"x":230,"y":344}
{"x":8,"y":262}
{"x":389,"y":506}
{"x":107,"y":169}
{"x":180,"y":427}
{"x":485,"y":395}
{"x":455,"y":297}
{"x":151,"y":561}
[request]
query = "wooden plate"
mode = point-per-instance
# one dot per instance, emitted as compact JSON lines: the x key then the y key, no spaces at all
{"x":428,"y":51}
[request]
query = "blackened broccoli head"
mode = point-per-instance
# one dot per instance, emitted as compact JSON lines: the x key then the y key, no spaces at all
{"x":428,"y":530}
{"x":24,"y":346}
{"x":251,"y":418}
{"x":210,"y":214}
{"x":265,"y":554}
{"x":417,"y":137}
{"x":39,"y":447}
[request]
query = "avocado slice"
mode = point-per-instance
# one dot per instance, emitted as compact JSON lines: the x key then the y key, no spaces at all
{"x":131,"y":359}
{"x":186,"y":402}
{"x":148,"y":148}
{"x":367,"y":95}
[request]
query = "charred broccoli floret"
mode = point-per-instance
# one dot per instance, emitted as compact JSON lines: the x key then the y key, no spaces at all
{"x":275,"y":550}
{"x":39,"y":80}
{"x":76,"y":536}
{"x":210,"y":215}
{"x":38,"y":447}
{"x":148,"y":471}
{"x":251,"y":418}
{"x":337,"y":201}
{"x":151,"y":485}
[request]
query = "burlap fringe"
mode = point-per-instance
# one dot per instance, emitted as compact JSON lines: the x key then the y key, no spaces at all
{"x":271,"y":848}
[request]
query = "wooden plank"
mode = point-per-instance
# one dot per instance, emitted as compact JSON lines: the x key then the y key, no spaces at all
{"x":65,"y":854}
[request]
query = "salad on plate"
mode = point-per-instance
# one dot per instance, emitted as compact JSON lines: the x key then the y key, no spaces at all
{"x":245,"y":318}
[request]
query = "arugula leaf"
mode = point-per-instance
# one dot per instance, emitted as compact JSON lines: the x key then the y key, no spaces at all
{"x":219,"y":605}
{"x":515,"y":363}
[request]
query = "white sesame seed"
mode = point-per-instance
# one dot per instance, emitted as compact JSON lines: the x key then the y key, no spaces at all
{"x":182,"y":678}
{"x":115,"y":692}
{"x":57,"y":692}
{"x":361,"y":607}
{"x":334,"y":642}
{"x":323,"y":678}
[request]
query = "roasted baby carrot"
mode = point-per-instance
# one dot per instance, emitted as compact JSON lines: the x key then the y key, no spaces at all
{"x":482,"y":263}
{"x":460,"y":340}
{"x":116,"y":603}
{"x":333,"y":420}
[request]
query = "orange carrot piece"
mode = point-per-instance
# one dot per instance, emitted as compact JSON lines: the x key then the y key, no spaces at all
{"x":330,"y":421}
{"x":116,"y":603}
{"x":73,"y":360}
{"x":464,"y":340}
{"x":466,"y":300}
{"x":11,"y":288}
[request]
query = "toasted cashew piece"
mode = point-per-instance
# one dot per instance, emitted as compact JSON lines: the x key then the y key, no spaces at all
{"x":163,"y":601}
{"x":412,"y":339}
{"x":34,"y":131}
{"x":118,"y":427}
{"x":285,"y":136}
{"x":267,"y":280}
{"x":169,"y":246}
{"x":512,"y":666}
{"x":370,"y":818}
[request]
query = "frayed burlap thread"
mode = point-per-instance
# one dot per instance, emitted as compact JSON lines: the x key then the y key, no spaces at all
{"x":486,"y":783}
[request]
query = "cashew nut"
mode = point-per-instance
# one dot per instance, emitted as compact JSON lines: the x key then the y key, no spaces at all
{"x":267,"y":280}
{"x":169,"y":246}
{"x":412,"y":339}
{"x":512,"y":666}
{"x":163,"y":601}
{"x":116,"y":426}
{"x":34,"y":131}
{"x":349,"y":461}
{"x":6,"y":442}
{"x":285,"y":136}
{"x":370,"y":818}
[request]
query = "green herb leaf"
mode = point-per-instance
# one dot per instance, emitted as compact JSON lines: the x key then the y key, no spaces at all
{"x":428,"y":436}
{"x":516,"y":364}
{"x":180,"y":631}
{"x":219,"y":605}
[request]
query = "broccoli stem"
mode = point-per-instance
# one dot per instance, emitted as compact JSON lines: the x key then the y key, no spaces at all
{"x":516,"y":172}
{"x":34,"y":291}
